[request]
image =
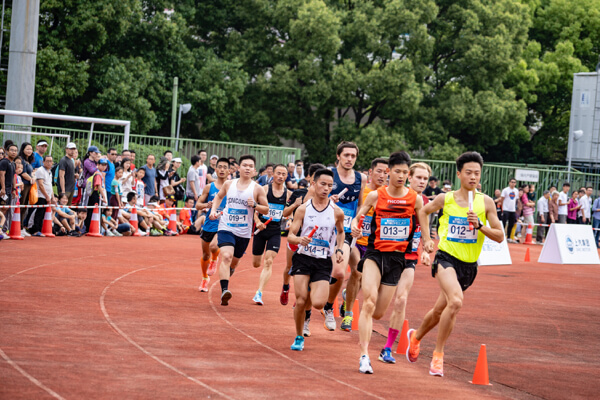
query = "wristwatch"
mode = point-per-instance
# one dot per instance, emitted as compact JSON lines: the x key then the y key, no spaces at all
{"x":340,"y":250}
{"x":479,"y":224}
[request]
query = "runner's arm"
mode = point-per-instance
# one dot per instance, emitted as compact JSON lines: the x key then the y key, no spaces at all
{"x":201,"y":205}
{"x":494,"y":231}
{"x":290,"y":209}
{"x":296,"y":224}
{"x":218,"y":198}
{"x":339,"y":225}
{"x":363,"y":183}
{"x":422,"y":215}
{"x":364,"y":209}
{"x":261,"y":198}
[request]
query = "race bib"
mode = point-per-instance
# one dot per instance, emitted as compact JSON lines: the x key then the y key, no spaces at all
{"x":318,"y":248}
{"x":275,"y":212}
{"x":458,"y":231}
{"x":416,"y":240}
{"x":348,"y":215}
{"x":366,"y":228}
{"x":237,"y":218}
{"x":394,"y":229}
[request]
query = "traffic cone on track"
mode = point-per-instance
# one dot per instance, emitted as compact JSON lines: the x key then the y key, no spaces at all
{"x":355,"y":315}
{"x":15,"y":225}
{"x":133,"y":221}
{"x":481,"y":376}
{"x":527,"y":256}
{"x":529,"y":237}
{"x":47,"y":225}
{"x":403,"y":342}
{"x":95,"y":223}
{"x":173,"y":222}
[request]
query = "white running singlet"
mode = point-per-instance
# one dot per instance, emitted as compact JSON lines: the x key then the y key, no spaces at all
{"x":237,"y":216}
{"x":323,"y":240}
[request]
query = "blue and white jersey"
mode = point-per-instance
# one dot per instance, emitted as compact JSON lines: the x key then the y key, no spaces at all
{"x":210,"y":225}
{"x":349,"y":201}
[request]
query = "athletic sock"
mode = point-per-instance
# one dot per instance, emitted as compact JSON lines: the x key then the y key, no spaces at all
{"x":392,"y":335}
{"x":204,"y":265}
{"x":328,"y":306}
{"x":224,"y":285}
{"x":286,"y":287}
{"x":215,"y":255}
{"x":348,"y":314}
{"x":307,"y":316}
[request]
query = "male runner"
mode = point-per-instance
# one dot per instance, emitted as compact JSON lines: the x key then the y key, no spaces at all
{"x":392,"y":231}
{"x":455,"y":263}
{"x":210,"y":250}
{"x":345,"y":177}
{"x":298,"y":197}
{"x":378,"y":174}
{"x":417,"y":177}
{"x":235,"y":227}
{"x":312,"y":262}
{"x":269,"y":237}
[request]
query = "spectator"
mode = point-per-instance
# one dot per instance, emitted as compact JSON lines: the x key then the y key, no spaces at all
{"x":553,"y":208}
{"x":531,"y":193}
{"x":132,"y":158}
{"x":202,"y":170}
{"x":290,"y":182}
{"x":596,"y":223}
{"x":542,"y":216}
{"x":299,"y":172}
{"x":1,"y":153}
{"x":431,"y":191}
{"x":140,"y":187}
{"x":168,"y":155}
{"x":116,"y":191}
{"x":498,"y":201}
{"x":43,"y":177}
{"x":573,"y":207}
{"x":163,"y":174}
{"x":586,"y":205}
{"x":185,"y":217}
{"x":65,"y":215}
{"x":149,"y":178}
{"x":95,"y":187}
{"x":176,"y":181}
{"x":66,"y":173}
{"x":212,"y":168}
{"x":127,"y":181}
{"x":26,"y":156}
{"x":528,"y":209}
{"x":40,"y":150}
{"x":110,"y":171}
{"x":563,"y":203}
{"x":267,"y":178}
{"x":7,"y":176}
{"x":509,"y":198}
{"x":193,"y":184}
{"x":90,"y":166}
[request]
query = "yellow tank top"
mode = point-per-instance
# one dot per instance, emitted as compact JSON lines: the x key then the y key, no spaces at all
{"x":455,"y":237}
{"x":364,"y":240}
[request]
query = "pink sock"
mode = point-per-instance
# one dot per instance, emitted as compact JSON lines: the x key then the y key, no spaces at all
{"x":392,"y":335}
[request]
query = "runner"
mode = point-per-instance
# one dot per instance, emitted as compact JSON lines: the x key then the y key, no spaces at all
{"x":296,"y":199}
{"x":345,"y":177}
{"x":235,"y":228}
{"x":455,"y":264}
{"x":312,"y":262}
{"x":269,"y":236}
{"x":391,"y":233}
{"x":210,"y":250}
{"x":417,"y":177}
{"x":379,"y":175}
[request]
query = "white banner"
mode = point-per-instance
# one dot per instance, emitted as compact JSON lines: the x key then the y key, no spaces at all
{"x":569,"y":244}
{"x":494,"y":253}
{"x":527,"y":175}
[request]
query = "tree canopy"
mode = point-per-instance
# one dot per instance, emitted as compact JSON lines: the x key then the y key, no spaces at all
{"x":434,"y":77}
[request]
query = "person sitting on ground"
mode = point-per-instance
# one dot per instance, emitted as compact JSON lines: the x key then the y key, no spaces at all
{"x":185,"y":217}
{"x":159,"y":224}
{"x":65,"y":216}
{"x":80,"y":221}
{"x":2,"y":221}
{"x":108,"y":223}
{"x":116,"y":191}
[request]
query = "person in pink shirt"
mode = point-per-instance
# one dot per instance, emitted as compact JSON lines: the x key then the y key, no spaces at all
{"x":528,"y":210}
{"x":573,"y":207}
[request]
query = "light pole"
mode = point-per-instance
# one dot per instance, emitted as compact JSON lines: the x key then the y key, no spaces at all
{"x":183,"y":109}
{"x":576,"y":136}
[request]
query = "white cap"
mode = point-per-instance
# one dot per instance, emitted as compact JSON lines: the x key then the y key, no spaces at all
{"x":177,"y":160}
{"x":71,"y":145}
{"x":213,"y":156}
{"x":42,"y":143}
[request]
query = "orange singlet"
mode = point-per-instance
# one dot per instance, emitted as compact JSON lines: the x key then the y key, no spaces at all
{"x":392,"y":221}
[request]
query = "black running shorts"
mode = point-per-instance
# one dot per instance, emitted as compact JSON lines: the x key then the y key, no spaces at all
{"x":465,"y":272}
{"x":266,"y":240}
{"x":319,"y":269}
{"x":207,"y":236}
{"x":390,"y":263}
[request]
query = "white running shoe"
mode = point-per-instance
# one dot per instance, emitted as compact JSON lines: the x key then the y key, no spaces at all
{"x":109,"y":233}
{"x":329,"y":320}
{"x":306,"y":330}
{"x":365,"y":365}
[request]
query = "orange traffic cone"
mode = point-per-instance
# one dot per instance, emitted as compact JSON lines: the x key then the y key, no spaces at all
{"x":527,"y":257}
{"x":173,"y":222}
{"x":94,"y":229}
{"x":403,"y":342}
{"x":529,"y":237}
{"x":133,"y":221}
{"x":481,"y":376}
{"x":47,"y":225}
{"x":15,"y":225}
{"x":336,"y":308}
{"x":355,"y":315}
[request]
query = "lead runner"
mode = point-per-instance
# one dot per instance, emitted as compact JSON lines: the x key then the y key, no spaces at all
{"x":455,"y":263}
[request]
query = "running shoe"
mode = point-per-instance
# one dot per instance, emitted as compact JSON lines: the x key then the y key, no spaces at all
{"x":365,"y":365}
{"x":25,"y":233}
{"x":386,"y":356}
{"x":436,"y":368}
{"x":117,"y":233}
{"x":343,"y":305}
{"x":329,"y":320}
{"x":155,"y":232}
{"x":346,"y":324}
{"x":204,"y":285}
{"x":258,"y":298}
{"x":306,"y":330}
{"x":225,"y":297}
{"x":109,"y":233}
{"x":284,"y":297}
{"x":412,"y":351}
{"x":298,"y":344}
{"x":212,"y":267}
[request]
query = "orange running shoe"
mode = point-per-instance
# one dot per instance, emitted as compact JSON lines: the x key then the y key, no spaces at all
{"x":437,"y":364}
{"x":412,"y":351}
{"x":204,"y":284}
{"x":212,"y":267}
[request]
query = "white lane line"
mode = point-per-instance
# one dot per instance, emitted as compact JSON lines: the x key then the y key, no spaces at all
{"x":280,"y":353}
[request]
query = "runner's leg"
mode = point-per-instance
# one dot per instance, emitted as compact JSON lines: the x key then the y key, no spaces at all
{"x":371,"y":279}
{"x":454,"y":295}
{"x":301,"y":291}
{"x":267,"y":270}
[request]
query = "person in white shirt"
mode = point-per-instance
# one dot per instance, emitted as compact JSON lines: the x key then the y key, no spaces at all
{"x":586,"y":205}
{"x":509,"y":198}
{"x":542,"y":216}
{"x":202,"y":171}
{"x":563,"y":201}
{"x":43,"y":177}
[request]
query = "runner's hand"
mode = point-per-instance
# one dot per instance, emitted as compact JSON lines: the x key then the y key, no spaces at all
{"x":339,"y":257}
{"x":260,"y":226}
{"x":213,"y":215}
{"x":305,"y":240}
{"x":425,"y":259}
{"x":356,"y":231}
{"x":335,"y":198}
{"x":472,"y":218}
{"x":428,"y":245}
{"x":250,"y":202}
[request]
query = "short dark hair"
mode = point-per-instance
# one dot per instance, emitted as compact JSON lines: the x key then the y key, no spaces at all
{"x":225,"y":160}
{"x":467,"y":157}
{"x":189,"y":198}
{"x":269,"y":165}
{"x":12,"y":145}
{"x":111,"y":149}
{"x":130,"y":196}
{"x":346,"y":145}
{"x":321,"y":172}
{"x":202,"y":151}
{"x":379,"y":160}
{"x":132,"y":151}
{"x":45,"y":156}
{"x":299,"y":162}
{"x":167,"y":151}
{"x":194,"y":159}
{"x":152,"y":199}
{"x":589,"y":187}
{"x":248,"y":157}
{"x":399,"y":158}
{"x":279,"y":165}
{"x":566,"y":184}
{"x":314,"y":168}
{"x":124,"y":150}
{"x":119,"y":168}
{"x":433,"y":178}
{"x":261,"y":170}
{"x":512,"y":179}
